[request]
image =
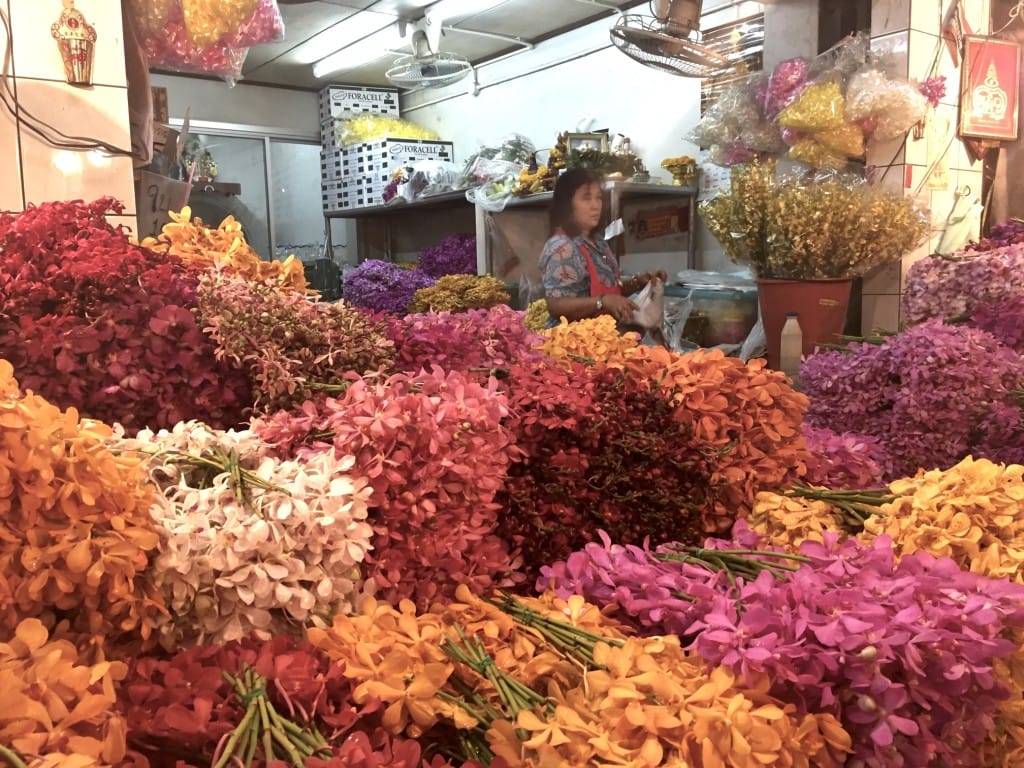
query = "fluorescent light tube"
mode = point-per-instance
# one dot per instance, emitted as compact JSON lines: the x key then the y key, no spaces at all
{"x":351,"y":30}
{"x":363,"y":52}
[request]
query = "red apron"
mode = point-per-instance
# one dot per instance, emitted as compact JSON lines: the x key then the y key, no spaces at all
{"x":597,"y":288}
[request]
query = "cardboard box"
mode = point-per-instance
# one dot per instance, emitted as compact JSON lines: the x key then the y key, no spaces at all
{"x":161,"y":112}
{"x":155,"y":196}
{"x":336,"y":100}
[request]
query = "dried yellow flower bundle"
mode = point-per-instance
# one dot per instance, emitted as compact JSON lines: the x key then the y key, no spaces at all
{"x":595,"y":340}
{"x":806,"y":228}
{"x":457,"y":293}
{"x":537,"y":315}
{"x":225,"y":246}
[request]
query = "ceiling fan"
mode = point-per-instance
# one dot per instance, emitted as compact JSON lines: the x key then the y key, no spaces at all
{"x":669,"y":40}
{"x":426,"y":67}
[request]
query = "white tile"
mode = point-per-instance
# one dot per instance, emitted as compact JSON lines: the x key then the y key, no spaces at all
{"x":926,"y":15}
{"x":889,"y":16}
{"x":925,"y":50}
{"x":977,"y":13}
{"x":36,"y":54}
{"x":52,"y":173}
{"x":880,"y":312}
{"x":886,"y":153}
{"x":884,"y":280}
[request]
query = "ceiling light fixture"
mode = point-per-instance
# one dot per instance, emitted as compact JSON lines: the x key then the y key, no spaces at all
{"x":453,"y":9}
{"x":341,"y":35}
{"x":367,"y":50}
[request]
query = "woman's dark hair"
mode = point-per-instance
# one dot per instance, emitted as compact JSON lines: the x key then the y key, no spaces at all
{"x":565,"y":190}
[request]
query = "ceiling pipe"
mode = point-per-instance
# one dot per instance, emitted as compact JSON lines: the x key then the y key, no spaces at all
{"x":526,"y":44}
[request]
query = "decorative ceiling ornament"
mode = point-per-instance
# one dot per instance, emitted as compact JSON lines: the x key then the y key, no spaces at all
{"x":76,"y":40}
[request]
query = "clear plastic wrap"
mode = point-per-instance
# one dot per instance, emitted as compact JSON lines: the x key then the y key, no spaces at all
{"x":782,"y":86}
{"x":265,"y":25}
{"x":169,"y":46}
{"x":735,"y":130}
{"x":210,"y":22}
{"x":362,"y":127}
{"x":888,"y":107}
{"x":514,"y":149}
{"x":429,"y":177}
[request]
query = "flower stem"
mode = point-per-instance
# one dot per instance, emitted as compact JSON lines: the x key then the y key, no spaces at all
{"x":12,"y":758}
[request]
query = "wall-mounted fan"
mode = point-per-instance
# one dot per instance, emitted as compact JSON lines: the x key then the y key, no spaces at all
{"x":426,"y":67}
{"x":669,"y":40}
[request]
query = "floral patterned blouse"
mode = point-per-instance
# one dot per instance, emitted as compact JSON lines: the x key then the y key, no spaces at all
{"x":565,"y":267}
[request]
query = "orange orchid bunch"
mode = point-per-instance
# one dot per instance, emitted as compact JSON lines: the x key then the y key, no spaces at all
{"x":224,"y":246}
{"x":595,"y":340}
{"x":749,"y":414}
{"x":552,"y":682}
{"x":77,"y":534}
{"x":57,"y":711}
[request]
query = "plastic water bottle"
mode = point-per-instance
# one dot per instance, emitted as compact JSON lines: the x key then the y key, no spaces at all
{"x":791,"y":346}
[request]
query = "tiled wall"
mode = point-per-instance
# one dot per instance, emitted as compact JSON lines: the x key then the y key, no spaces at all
{"x":33,"y":171}
{"x":935,"y":167}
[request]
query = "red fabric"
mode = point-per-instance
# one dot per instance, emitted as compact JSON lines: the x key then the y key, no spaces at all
{"x":597,"y":288}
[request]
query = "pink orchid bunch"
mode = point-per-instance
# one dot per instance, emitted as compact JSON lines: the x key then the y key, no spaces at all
{"x":954,"y":287}
{"x":843,"y":460}
{"x":926,"y":393}
{"x":436,"y":452}
{"x":902,"y":653}
{"x":251,"y":543}
{"x":459,"y":341}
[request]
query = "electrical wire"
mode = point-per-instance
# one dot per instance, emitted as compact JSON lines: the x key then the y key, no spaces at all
{"x":40,"y":128}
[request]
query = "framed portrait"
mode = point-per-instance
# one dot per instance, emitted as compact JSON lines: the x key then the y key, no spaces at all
{"x":989,"y":75}
{"x":594,"y":141}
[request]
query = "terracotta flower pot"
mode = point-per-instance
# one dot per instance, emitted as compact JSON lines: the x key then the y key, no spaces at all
{"x":820,"y":304}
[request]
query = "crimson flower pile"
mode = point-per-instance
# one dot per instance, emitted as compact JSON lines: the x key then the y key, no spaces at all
{"x":91,"y":321}
{"x":901,"y":652}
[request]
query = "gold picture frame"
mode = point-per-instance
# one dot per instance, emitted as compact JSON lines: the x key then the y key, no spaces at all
{"x":595,"y":141}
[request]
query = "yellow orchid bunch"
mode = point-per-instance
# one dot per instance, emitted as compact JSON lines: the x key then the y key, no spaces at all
{"x":224,"y":246}
{"x":457,"y":293}
{"x":595,"y":340}
{"x":784,"y":521}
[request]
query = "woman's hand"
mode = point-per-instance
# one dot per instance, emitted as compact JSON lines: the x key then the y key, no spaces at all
{"x":619,"y":307}
{"x":637,"y":282}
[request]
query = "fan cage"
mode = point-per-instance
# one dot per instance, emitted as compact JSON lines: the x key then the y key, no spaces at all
{"x":645,"y":39}
{"x":435,"y":71}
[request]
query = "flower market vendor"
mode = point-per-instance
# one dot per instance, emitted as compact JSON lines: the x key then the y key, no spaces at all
{"x":581,"y":274}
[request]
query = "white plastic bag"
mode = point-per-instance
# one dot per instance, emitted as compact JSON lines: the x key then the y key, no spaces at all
{"x":650,"y":302}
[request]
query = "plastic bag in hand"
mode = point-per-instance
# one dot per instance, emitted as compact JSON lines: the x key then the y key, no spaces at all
{"x":650,"y":303}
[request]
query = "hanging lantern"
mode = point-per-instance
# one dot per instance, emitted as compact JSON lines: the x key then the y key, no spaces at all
{"x":76,"y":40}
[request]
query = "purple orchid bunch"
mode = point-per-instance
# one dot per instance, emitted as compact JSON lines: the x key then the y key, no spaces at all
{"x":901,"y":652}
{"x":948,"y":287}
{"x":380,"y":286}
{"x":460,"y":341}
{"x":1004,"y":233}
{"x":926,"y":393}
{"x":455,"y":255}
{"x":1004,"y":320}
{"x":843,"y":460}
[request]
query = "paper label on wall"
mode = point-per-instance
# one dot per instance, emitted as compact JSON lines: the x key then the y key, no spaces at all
{"x":713,"y":179}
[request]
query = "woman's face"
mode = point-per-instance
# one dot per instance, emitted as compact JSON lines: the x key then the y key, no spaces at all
{"x":586,"y":207}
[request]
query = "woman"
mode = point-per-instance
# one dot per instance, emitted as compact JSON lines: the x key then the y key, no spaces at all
{"x":581,"y":274}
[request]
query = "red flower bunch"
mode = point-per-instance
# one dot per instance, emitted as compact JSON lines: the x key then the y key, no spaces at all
{"x":600,"y":449}
{"x":179,"y":709}
{"x":90,"y":320}
{"x":436,"y":453}
{"x":378,"y":749}
{"x":286,"y":341}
